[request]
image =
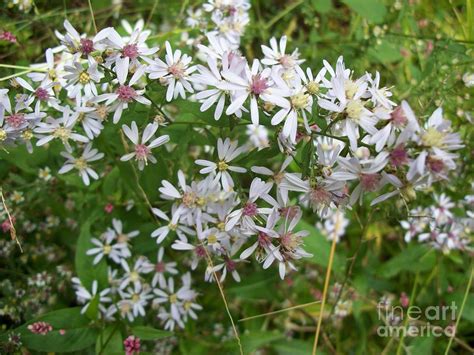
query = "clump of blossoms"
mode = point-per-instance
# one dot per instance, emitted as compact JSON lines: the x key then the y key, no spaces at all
{"x":360,"y":147}
{"x":441,"y":225}
{"x":137,"y":285}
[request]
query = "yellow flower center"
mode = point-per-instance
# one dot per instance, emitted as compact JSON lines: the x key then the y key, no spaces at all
{"x":135,"y":298}
{"x":27,"y":135}
{"x":3,"y":134}
{"x":84,"y":77}
{"x":134,"y":276}
{"x":221,"y":226}
{"x":107,"y":249}
{"x":212,"y":239}
{"x":300,"y":100}
{"x":62,"y":133}
{"x":354,"y":109}
{"x":173,"y":298}
{"x":222,"y":165}
{"x":172,"y":226}
{"x":433,"y":138}
{"x":80,"y":164}
{"x":313,"y":87}
{"x":351,"y":88}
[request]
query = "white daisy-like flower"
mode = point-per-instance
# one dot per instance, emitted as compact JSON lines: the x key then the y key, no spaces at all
{"x":175,"y":72}
{"x":61,"y":129}
{"x":275,"y":54}
{"x":142,"y":151}
{"x":82,"y":163}
{"x":125,"y":93}
{"x":85,"y":296}
{"x":226,"y":152}
{"x":106,"y":247}
{"x":82,"y":79}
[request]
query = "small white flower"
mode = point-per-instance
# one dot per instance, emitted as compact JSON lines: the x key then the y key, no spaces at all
{"x":82,"y":163}
{"x":226,"y":151}
{"x":142,"y":151}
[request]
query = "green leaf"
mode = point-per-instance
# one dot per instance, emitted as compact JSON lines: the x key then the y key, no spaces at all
{"x":110,"y":342}
{"x":413,"y":259}
{"x":322,"y":6}
{"x":149,"y":333}
{"x":373,"y":10}
{"x":77,"y":335}
{"x":292,"y":347}
{"x":92,"y":311}
{"x":316,"y":244}
{"x":254,"y":341}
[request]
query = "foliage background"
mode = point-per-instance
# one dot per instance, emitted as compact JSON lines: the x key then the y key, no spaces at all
{"x":423,"y":48}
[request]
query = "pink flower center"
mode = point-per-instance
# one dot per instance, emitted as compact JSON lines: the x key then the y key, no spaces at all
{"x":177,"y":70}
{"x":200,"y":252}
{"x":259,"y":84}
{"x":287,"y":61}
{"x":42,"y":94}
{"x":131,"y":51}
{"x":126,"y":93}
{"x":399,"y":156}
{"x":230,"y":265}
{"x":370,"y":182}
{"x":398,"y":117}
{"x":263,"y":239}
{"x":319,"y":196}
{"x":16,"y":120}
{"x":160,"y":267}
{"x":142,"y":151}
{"x":289,"y":212}
{"x":250,"y":209}
{"x":435,"y":165}
{"x":87,"y":46}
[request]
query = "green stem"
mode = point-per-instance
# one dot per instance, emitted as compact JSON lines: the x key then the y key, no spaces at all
{"x":466,"y":294}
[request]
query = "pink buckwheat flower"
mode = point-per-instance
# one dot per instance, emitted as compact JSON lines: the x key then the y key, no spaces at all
{"x":42,"y":328}
{"x":132,"y":345}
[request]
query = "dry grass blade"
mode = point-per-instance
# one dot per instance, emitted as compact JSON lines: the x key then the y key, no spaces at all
{"x":280,"y":311}
{"x":10,"y":219}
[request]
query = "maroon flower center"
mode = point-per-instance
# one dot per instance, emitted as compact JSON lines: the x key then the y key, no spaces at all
{"x":435,"y":165}
{"x":289,"y":212}
{"x":230,"y":265}
{"x":398,"y":117}
{"x":399,"y":156}
{"x":263,"y":239}
{"x":320,"y":196}
{"x":160,"y":267}
{"x":200,"y":252}
{"x":16,"y":120}
{"x":42,"y":94}
{"x":370,"y":182}
{"x":250,"y":209}
{"x":87,"y":46}
{"x":131,"y":51}
{"x":126,"y":93}
{"x":142,"y":151}
{"x":259,"y":84}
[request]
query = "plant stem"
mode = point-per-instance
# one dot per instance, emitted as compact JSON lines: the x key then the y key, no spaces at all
{"x":466,"y":294}
{"x":325,"y":290}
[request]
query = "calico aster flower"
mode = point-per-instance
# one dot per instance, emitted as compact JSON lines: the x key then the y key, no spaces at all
{"x":125,"y":93}
{"x":226,"y":151}
{"x":82,"y":163}
{"x":175,"y":72}
{"x":275,"y":54}
{"x":142,"y":150}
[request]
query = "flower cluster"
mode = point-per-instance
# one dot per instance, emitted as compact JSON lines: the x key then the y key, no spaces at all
{"x":440,"y":226}
{"x":136,"y":283}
